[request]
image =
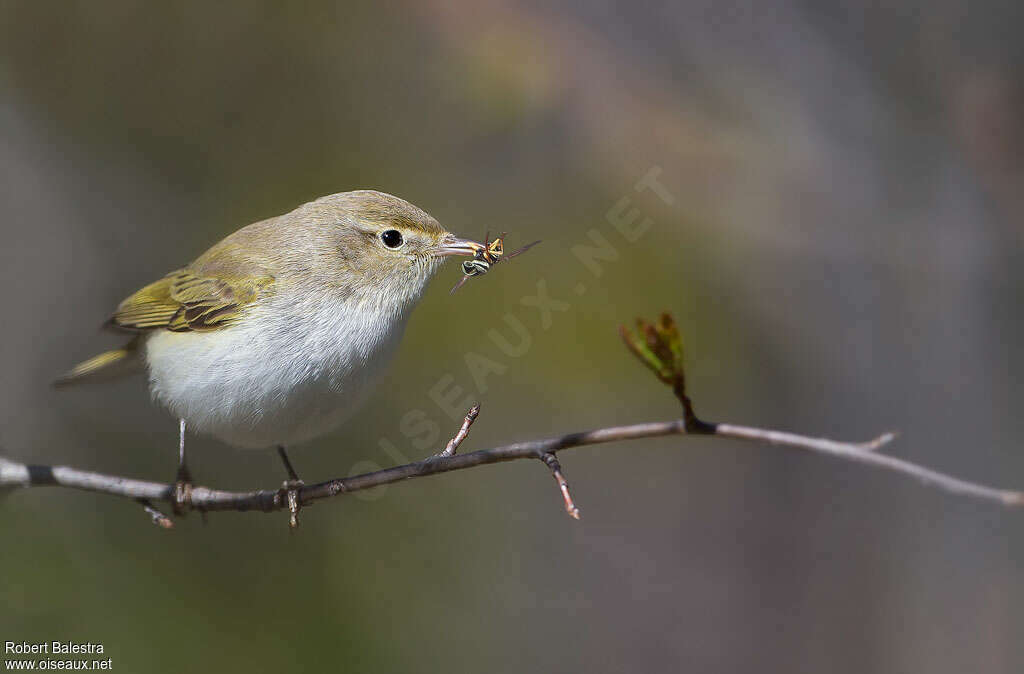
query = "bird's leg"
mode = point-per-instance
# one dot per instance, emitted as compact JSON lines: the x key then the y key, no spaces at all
{"x":291,"y":488}
{"x":183,"y":481}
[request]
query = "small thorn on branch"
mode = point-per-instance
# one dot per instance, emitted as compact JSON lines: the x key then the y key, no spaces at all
{"x":556,"y":472}
{"x":453,"y":444}
{"x":879,"y":442}
{"x":159,"y":519}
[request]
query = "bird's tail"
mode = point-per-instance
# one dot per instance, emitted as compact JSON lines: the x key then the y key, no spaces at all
{"x":106,"y":365}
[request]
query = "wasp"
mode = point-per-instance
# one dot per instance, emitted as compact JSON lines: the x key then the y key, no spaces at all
{"x":492,"y":253}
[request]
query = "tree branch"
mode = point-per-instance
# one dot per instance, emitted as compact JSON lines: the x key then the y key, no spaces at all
{"x":14,"y":474}
{"x":657,"y":346}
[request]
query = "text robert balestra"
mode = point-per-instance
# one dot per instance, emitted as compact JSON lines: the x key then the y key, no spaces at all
{"x":51,"y":648}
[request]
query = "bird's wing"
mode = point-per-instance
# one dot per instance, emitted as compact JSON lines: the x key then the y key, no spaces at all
{"x":185,"y":300}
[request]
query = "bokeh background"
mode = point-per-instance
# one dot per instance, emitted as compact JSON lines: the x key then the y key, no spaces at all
{"x":842,"y":253}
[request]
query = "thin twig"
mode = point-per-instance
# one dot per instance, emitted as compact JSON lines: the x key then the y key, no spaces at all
{"x":879,"y":442}
{"x":865,"y":454}
{"x":453,"y":444}
{"x":556,"y":472}
{"x":158,"y":517}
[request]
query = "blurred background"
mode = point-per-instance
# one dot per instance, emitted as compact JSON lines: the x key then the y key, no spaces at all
{"x":842,"y":252}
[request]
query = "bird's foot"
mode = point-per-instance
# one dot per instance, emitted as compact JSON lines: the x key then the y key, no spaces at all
{"x":182,"y":491}
{"x":290,"y":489}
{"x":183,"y":482}
{"x":291,"y":497}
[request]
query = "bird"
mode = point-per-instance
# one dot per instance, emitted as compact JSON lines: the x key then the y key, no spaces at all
{"x":276,"y":335}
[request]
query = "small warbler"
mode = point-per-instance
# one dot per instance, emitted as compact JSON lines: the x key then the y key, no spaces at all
{"x":275,"y":335}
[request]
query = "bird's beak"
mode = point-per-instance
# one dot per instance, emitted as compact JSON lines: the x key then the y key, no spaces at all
{"x":453,"y":245}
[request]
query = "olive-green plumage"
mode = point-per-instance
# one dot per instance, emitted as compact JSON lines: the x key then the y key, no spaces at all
{"x":111,"y":363}
{"x":183,"y":301}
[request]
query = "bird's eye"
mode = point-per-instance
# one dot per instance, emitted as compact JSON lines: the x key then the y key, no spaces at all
{"x":392,"y":238}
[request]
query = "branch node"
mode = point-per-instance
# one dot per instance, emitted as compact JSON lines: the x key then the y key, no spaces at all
{"x":453,"y":444}
{"x":556,"y":472}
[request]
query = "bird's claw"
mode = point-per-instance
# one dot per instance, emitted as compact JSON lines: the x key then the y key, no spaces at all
{"x":182,"y":491}
{"x":291,"y":498}
{"x":182,"y":497}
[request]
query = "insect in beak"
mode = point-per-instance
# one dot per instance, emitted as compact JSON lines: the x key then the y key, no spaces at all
{"x":490,"y":253}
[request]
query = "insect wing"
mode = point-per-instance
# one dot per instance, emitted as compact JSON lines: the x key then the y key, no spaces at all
{"x":522,"y":250}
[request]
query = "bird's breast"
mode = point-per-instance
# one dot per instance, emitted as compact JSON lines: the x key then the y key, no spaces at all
{"x":287,"y":372}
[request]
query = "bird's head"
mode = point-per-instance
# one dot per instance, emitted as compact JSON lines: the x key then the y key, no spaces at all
{"x":375,"y":244}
